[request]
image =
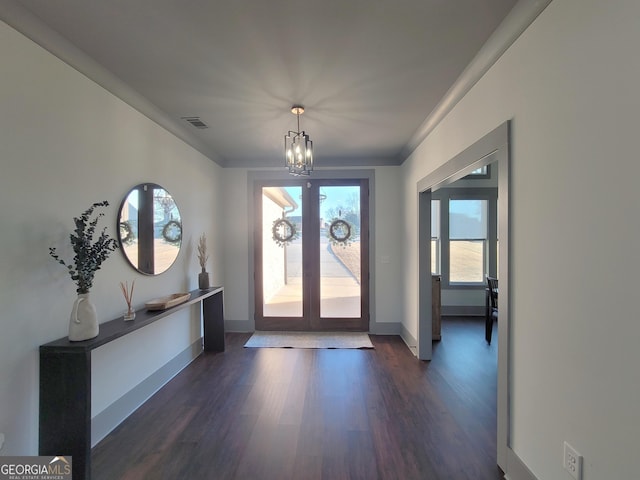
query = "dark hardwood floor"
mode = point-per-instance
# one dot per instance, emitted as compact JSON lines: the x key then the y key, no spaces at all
{"x":318,"y":414}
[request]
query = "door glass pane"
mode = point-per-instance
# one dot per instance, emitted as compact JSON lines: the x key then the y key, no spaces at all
{"x":468,"y":240}
{"x":282,"y":251}
{"x":340,"y":265}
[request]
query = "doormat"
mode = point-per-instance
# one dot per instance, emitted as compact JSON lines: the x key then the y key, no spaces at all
{"x":309,"y":340}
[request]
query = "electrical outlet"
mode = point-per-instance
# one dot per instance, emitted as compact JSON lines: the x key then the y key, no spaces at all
{"x":572,"y":461}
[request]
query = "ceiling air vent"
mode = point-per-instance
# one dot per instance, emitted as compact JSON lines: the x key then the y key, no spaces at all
{"x":196,"y":122}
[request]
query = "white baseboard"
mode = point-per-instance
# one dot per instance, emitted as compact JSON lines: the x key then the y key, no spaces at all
{"x":516,"y":469}
{"x":463,"y":311}
{"x":385,"y":328}
{"x":408,"y":339}
{"x":375,"y":328}
{"x":239,"y":326}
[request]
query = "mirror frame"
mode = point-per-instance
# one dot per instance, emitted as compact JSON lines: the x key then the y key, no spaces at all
{"x":147,"y":256}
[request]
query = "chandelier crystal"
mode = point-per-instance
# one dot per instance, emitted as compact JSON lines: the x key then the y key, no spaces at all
{"x":298,"y":148}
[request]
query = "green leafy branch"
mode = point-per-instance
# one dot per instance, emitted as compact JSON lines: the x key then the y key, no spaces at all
{"x":89,"y":255}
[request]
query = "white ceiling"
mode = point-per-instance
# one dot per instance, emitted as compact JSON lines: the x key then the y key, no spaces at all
{"x":369,"y":72}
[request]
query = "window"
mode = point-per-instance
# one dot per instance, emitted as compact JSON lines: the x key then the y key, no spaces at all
{"x":435,"y":237}
{"x":482,"y":172}
{"x":467,"y":240}
{"x":464,"y":236}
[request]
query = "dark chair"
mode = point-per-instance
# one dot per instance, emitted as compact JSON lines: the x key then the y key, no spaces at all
{"x":491,"y":307}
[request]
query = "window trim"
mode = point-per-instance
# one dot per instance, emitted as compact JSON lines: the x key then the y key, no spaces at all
{"x":490,"y":194}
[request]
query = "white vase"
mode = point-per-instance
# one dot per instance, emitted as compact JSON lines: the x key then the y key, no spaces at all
{"x":83,"y":324}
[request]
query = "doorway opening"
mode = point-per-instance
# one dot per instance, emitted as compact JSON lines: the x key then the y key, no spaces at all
{"x":493,"y":147}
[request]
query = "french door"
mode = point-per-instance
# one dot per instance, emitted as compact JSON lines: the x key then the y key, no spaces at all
{"x":312,"y":255}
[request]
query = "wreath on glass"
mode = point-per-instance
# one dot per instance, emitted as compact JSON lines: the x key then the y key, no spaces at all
{"x":340,"y":232}
{"x":284,"y":231}
{"x":126,"y":233}
{"x":172,"y":232}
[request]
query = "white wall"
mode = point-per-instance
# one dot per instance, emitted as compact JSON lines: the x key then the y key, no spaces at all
{"x":386,"y":240}
{"x":570,"y":86}
{"x":66,"y":143}
{"x":238,"y":236}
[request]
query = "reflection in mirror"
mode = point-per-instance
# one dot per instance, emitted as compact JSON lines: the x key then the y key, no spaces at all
{"x":150,"y":228}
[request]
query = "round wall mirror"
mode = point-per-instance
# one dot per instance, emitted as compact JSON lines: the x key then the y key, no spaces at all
{"x":149,"y":228}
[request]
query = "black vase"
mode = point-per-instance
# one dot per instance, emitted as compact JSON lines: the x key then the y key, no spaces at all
{"x":203,"y":280}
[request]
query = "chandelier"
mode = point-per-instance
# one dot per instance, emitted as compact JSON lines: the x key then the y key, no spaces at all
{"x":298,"y":149}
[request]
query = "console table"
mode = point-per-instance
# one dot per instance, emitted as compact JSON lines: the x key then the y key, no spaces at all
{"x":65,"y":378}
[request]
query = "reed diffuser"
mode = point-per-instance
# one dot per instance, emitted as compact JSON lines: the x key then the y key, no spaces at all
{"x":130,"y":314}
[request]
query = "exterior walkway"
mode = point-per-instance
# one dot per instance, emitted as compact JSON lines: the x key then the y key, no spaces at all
{"x":340,"y":291}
